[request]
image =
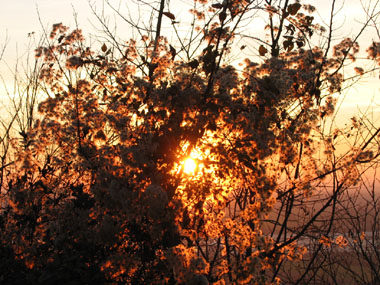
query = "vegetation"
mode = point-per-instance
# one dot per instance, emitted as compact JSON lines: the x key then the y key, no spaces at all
{"x":157,"y":161}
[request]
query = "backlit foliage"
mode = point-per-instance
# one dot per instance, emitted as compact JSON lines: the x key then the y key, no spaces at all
{"x":101,"y":191}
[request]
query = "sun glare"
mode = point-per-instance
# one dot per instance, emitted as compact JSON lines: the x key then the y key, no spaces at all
{"x":189,"y":165}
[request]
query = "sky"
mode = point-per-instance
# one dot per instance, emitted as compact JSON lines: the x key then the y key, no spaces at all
{"x":18,"y":18}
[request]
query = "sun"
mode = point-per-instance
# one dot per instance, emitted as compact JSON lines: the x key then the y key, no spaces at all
{"x":189,"y":165}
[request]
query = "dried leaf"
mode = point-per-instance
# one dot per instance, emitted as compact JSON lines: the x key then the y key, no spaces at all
{"x":293,"y":8}
{"x":194,"y":63}
{"x":172,"y":51}
{"x":104,"y":48}
{"x":169,"y":15}
{"x":359,"y":70}
{"x":209,"y":59}
{"x":262,"y":50}
{"x":222,"y":16}
{"x":300,"y":43}
{"x":60,"y":39}
{"x":217,"y":6}
{"x":288,"y":45}
{"x":309,"y":20}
